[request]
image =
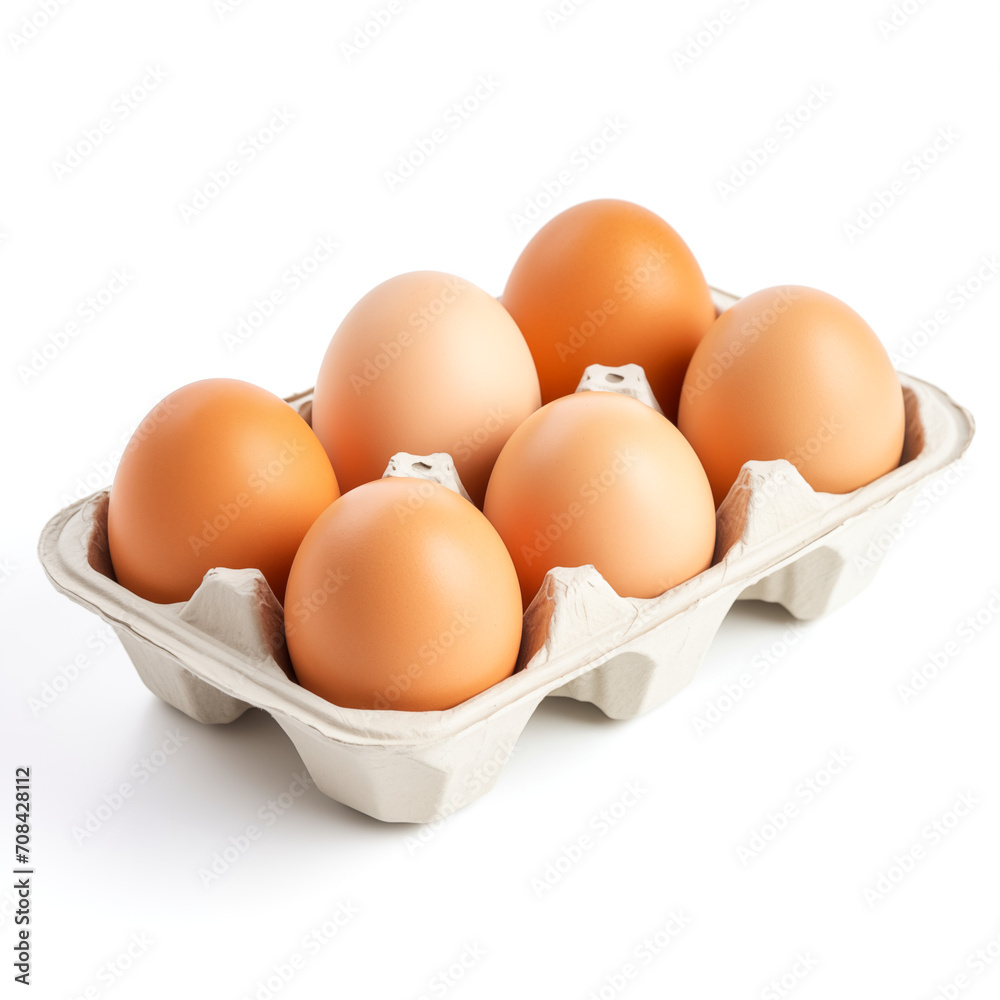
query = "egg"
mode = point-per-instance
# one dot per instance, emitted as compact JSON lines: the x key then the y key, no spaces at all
{"x":425,"y":362}
{"x":600,"y":478}
{"x":794,"y":373}
{"x":402,"y":596}
{"x":609,"y":282}
{"x":219,"y":473}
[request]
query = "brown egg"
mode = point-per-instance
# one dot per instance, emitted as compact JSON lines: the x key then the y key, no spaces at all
{"x":609,"y":282}
{"x":219,"y":473}
{"x":402,"y":596}
{"x":794,"y":373}
{"x":604,"y":479}
{"x":425,"y":362}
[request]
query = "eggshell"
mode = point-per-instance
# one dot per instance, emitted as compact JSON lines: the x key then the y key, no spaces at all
{"x":402,"y":596}
{"x":600,"y":478}
{"x":379,"y":389}
{"x":219,"y":473}
{"x":609,"y":282}
{"x":794,"y":373}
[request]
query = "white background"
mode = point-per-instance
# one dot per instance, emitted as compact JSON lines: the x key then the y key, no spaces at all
{"x":423,"y":895}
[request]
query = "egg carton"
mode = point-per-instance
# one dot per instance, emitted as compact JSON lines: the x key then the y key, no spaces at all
{"x":222,"y":652}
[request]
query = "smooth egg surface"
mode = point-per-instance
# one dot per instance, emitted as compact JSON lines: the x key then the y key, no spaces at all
{"x":426,"y":362}
{"x":219,"y":473}
{"x":792,"y":372}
